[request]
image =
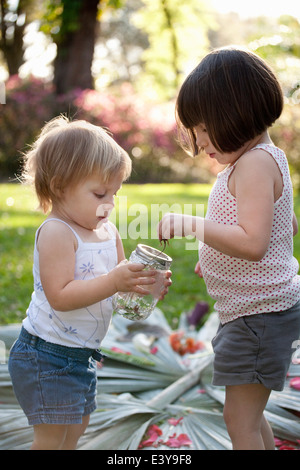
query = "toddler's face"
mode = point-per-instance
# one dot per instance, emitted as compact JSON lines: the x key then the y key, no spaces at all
{"x":90,"y":202}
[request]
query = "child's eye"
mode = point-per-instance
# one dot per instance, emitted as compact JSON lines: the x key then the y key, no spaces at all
{"x":99,"y":196}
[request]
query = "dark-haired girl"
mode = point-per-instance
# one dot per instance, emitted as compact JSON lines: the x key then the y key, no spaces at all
{"x":225,"y":107}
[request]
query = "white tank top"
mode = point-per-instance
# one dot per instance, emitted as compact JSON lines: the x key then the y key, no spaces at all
{"x":242,"y":287}
{"x":84,"y":327}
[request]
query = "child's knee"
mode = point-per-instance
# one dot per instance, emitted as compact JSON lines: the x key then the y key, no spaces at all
{"x":51,"y":438}
{"x":74,"y":433}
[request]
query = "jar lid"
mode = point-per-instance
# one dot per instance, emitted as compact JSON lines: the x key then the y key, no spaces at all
{"x":151,"y":254}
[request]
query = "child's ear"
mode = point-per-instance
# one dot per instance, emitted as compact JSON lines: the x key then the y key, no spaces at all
{"x":55,"y":186}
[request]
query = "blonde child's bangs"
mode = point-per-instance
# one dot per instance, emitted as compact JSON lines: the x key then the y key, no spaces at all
{"x":107,"y":158}
{"x":69,"y":152}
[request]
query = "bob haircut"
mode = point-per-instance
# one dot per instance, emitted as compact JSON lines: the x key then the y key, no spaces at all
{"x":66,"y":153}
{"x":234,"y":94}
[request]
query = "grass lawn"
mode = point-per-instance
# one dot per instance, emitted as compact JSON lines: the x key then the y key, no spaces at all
{"x":19,"y":220}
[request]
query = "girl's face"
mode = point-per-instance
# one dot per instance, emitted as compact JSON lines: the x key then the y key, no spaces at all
{"x":90,"y":202}
{"x":203,"y":140}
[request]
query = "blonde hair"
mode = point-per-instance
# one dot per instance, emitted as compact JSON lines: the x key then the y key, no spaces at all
{"x":67,"y":152}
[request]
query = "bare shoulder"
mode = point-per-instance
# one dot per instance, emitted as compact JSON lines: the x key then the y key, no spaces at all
{"x":257,"y":167}
{"x":258,"y":160}
{"x":55,"y":233}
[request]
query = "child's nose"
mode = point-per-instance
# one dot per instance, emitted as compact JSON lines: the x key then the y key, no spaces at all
{"x":110,"y":201}
{"x":202,"y":141}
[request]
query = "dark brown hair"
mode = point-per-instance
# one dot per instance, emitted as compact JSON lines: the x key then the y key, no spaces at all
{"x":234,"y":93}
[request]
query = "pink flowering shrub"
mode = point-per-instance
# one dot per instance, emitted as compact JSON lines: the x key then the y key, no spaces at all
{"x":29,"y":104}
{"x":145,"y":129}
{"x":27,"y":107}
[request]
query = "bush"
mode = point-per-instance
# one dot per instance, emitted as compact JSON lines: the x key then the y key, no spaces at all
{"x":28,"y":106}
{"x":145,"y":129}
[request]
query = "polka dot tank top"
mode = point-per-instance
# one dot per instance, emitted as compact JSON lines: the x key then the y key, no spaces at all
{"x":242,"y":287}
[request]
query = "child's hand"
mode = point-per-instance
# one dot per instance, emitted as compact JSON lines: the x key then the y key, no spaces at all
{"x":171,"y":225}
{"x":198,"y":269}
{"x":130,"y":277}
{"x":167,"y":283}
{"x":179,"y":225}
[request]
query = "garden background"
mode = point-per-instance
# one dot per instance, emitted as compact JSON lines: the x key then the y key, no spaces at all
{"x":119,"y":64}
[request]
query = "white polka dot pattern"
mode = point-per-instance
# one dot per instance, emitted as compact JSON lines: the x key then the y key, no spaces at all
{"x":242,"y":287}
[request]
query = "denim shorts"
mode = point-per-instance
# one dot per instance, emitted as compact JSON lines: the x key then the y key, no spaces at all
{"x":256,"y":348}
{"x":53,"y":384}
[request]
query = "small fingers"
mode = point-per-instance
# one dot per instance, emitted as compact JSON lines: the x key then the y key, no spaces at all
{"x":141,"y":290}
{"x":139,"y":270}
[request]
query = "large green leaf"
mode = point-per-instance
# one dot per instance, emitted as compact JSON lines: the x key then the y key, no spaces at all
{"x":138,"y":389}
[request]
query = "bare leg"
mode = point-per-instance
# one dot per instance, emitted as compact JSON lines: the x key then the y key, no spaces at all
{"x":74,"y":432}
{"x":49,"y":436}
{"x":243,"y":415}
{"x":58,"y":436}
{"x":267,"y":434}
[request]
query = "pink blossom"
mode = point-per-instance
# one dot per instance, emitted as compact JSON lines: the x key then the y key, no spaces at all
{"x":295,"y":383}
{"x":285,"y":444}
{"x":287,"y":447}
{"x":149,"y":442}
{"x":179,"y":441}
{"x":278,"y":442}
{"x":153,"y":433}
{"x":154,"y":350}
{"x":175,"y":421}
{"x":154,"y":429}
{"x":118,"y":350}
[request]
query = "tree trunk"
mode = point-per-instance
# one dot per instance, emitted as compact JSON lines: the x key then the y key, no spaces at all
{"x":12,"y":46}
{"x":72,"y":66}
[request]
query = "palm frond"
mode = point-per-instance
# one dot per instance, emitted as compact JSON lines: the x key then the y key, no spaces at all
{"x":152,"y":398}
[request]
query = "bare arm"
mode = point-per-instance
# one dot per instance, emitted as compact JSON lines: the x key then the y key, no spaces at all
{"x":295,"y":225}
{"x":255,"y":177}
{"x":57,"y":248}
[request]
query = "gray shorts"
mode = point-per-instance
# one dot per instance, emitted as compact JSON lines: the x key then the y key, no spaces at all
{"x":256,"y":348}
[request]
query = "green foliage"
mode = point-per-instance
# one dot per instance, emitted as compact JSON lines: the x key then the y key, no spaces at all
{"x":285,"y":134}
{"x":279,"y":45}
{"x":115,"y":3}
{"x":19,"y":221}
{"x":145,"y":129}
{"x":177,"y":33}
{"x":168,"y":406}
{"x":61,"y":17}
{"x":51,"y":19}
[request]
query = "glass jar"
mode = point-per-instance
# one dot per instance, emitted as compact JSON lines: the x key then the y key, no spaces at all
{"x":136,"y":306}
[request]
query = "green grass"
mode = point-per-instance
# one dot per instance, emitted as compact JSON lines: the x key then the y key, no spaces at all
{"x":19,"y":220}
